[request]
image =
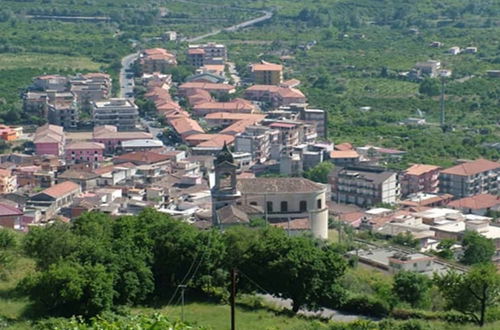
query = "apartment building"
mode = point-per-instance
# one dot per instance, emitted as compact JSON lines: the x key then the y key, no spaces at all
{"x":470,"y":178}
{"x":35,"y":102}
{"x":257,"y":141}
{"x":275,"y":95}
{"x":49,"y":140}
{"x":364,"y":185}
{"x":64,"y":111}
{"x":266,"y":73}
{"x":91,"y":87}
{"x":420,"y":178}
{"x":8,"y":181}
{"x":84,"y":152}
{"x":55,"y":83}
{"x":157,"y":60}
{"x":122,"y":113}
{"x":314,"y":116}
{"x":210,"y":53}
{"x":113,"y":140}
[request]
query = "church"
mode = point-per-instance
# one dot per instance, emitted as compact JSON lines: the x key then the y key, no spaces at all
{"x":280,"y":201}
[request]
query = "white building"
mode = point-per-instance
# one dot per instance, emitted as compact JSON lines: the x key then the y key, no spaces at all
{"x":119,"y":112}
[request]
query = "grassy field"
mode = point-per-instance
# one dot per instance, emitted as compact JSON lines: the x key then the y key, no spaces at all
{"x":39,"y":60}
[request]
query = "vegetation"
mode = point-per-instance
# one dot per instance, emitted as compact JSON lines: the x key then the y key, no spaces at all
{"x":319,"y":173}
{"x":477,"y":248}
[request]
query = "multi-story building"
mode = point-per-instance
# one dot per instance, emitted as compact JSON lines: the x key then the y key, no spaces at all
{"x":35,"y":102}
{"x":364,"y":185}
{"x":428,"y":68}
{"x":314,"y":116}
{"x":55,"y":83}
{"x":122,"y":113}
{"x":266,"y":73}
{"x":8,"y":181}
{"x":470,"y":178}
{"x":275,"y":95}
{"x":91,"y":87}
{"x":210,"y":53}
{"x":85,"y":152}
{"x":49,"y":140}
{"x":113,"y":140}
{"x":63,"y":112}
{"x":157,"y":60}
{"x":51,"y":200}
{"x":256,"y":140}
{"x":420,"y":178}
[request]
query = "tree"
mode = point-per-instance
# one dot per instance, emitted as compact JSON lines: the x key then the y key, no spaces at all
{"x":477,"y":248}
{"x":319,"y":173}
{"x":429,"y":87}
{"x":405,"y":239}
{"x":445,"y":250}
{"x":471,"y":293}
{"x":68,"y":288}
{"x":411,"y":287}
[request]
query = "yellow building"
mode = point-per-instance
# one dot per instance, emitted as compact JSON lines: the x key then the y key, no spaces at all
{"x":266,"y":73}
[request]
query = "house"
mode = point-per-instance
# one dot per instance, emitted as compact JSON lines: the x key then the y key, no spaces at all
{"x":9,"y":133}
{"x":266,"y":73}
{"x":428,"y":68}
{"x":274,"y":95}
{"x":85,"y":152}
{"x":143,"y":158}
{"x":52,"y":199}
{"x":185,"y":126}
{"x":141,"y":145}
{"x":455,"y":230}
{"x":415,"y":262}
{"x":122,"y":113}
{"x":420,"y":178}
{"x":207,"y":77}
{"x":8,"y":181}
{"x":454,"y":50}
{"x":91,"y":87}
{"x":224,"y":119}
{"x":63,"y":111}
{"x":470,"y":178}
{"x":218,"y":89}
{"x":234,"y":106}
{"x":157,"y":60}
{"x":478,"y":204}
{"x":113,"y":139}
{"x":256,"y":140}
{"x":55,"y":83}
{"x":364,"y":185}
{"x":344,"y":157}
{"x":49,"y":140}
{"x":10,"y":216}
{"x":210,"y":53}
{"x":86,"y":180}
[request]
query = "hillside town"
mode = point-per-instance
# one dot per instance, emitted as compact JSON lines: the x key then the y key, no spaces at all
{"x":220,"y":150}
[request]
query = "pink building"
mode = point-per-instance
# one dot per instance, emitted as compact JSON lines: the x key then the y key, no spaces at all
{"x":112,"y":139}
{"x":420,"y":178}
{"x":88,"y":152}
{"x":49,"y":140}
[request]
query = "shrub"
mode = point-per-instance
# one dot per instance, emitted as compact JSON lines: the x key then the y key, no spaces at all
{"x":7,"y":239}
{"x":366,"y":305}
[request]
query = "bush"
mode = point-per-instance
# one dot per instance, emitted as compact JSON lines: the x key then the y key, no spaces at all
{"x":7,"y":239}
{"x":447,"y":316}
{"x":366,"y":305}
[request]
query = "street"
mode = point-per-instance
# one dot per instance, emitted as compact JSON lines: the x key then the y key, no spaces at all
{"x":127,"y":84}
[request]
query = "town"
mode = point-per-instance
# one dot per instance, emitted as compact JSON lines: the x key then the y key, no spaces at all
{"x":216,"y":154}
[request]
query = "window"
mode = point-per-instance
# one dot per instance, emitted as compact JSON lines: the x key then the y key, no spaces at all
{"x":269,"y":206}
{"x":320,"y":205}
{"x":303,"y":206}
{"x":284,"y":207}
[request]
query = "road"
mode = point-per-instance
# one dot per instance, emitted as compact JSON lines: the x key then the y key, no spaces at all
{"x":127,"y":84}
{"x":267,"y":15}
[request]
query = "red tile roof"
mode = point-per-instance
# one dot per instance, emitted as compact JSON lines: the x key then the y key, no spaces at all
{"x":267,"y":66}
{"x":61,"y":189}
{"x":483,"y":201}
{"x":147,"y":157}
{"x":185,"y":125}
{"x":419,"y":169}
{"x":336,"y":154}
{"x":85,"y":145}
{"x":343,"y":146}
{"x":8,"y":210}
{"x":471,"y":168}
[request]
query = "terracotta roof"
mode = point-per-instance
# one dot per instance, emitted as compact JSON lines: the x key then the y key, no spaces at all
{"x":471,"y":168}
{"x":266,"y":66}
{"x":85,"y":145}
{"x":235,"y":116}
{"x":8,"y":210}
{"x":278,"y":185}
{"x":206,"y":86}
{"x":290,"y":92}
{"x":217,"y":141}
{"x":282,"y":125}
{"x":295,"y":224}
{"x":4,"y":172}
{"x":61,"y":189}
{"x":147,"y":157}
{"x":110,"y":132}
{"x":104,"y":169}
{"x":483,"y":201}
{"x":236,"y":105}
{"x":264,"y":88}
{"x":291,"y":83}
{"x":238,"y":127}
{"x":336,"y":154}
{"x":419,"y":169}
{"x":185,"y":125}
{"x":351,"y":217}
{"x":196,"y":51}
{"x":231,"y":214}
{"x":343,"y":146}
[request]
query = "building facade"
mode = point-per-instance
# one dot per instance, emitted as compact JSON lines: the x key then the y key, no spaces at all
{"x":420,"y":178}
{"x":122,"y":113}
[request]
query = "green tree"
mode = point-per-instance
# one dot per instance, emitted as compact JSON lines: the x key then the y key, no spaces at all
{"x":430,"y":87}
{"x":319,"y":173}
{"x":445,"y":250}
{"x":471,"y":293}
{"x":405,"y":239}
{"x":477,"y":248}
{"x":68,"y":288}
{"x":411,"y":287}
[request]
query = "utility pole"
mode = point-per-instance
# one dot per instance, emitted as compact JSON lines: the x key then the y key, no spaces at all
{"x":182,"y":287}
{"x":233,"y":298}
